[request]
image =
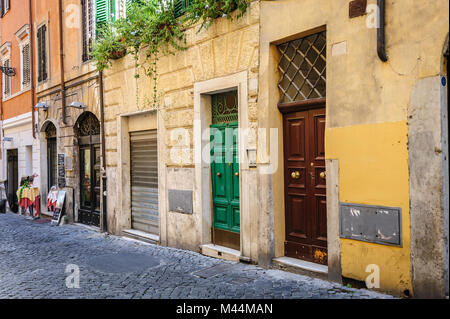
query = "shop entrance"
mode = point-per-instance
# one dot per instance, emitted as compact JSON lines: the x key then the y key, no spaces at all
{"x":89,"y":152}
{"x":13,"y":179}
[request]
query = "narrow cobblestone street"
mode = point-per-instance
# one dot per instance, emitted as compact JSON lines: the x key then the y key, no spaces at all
{"x":34,"y":257}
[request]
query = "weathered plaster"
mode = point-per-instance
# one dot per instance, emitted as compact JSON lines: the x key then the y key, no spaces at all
{"x":427,"y":125}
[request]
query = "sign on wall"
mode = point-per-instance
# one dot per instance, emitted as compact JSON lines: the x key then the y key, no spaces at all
{"x":61,"y":171}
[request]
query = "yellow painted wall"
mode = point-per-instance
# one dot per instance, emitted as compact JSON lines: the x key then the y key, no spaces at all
{"x":373,"y":170}
{"x":367,"y":107}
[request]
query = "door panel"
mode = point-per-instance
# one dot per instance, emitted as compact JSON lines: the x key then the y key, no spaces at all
{"x":305,"y":187}
{"x":89,"y":212}
{"x":225,"y":177}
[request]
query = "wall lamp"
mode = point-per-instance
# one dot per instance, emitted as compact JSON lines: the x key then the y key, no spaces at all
{"x":78,"y":105}
{"x":42,"y":105}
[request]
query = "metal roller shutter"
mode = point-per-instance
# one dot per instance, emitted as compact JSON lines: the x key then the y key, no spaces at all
{"x":144,"y":181}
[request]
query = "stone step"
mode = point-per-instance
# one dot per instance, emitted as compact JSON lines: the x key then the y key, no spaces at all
{"x":141,"y":236}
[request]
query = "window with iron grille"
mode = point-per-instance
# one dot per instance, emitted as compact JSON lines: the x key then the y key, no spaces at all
{"x":303,"y":68}
{"x":87,"y":25}
{"x":26,"y":69}
{"x":6,"y":80}
{"x":42,"y":53}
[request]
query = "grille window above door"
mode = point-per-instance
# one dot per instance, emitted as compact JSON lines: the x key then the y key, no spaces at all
{"x":303,"y":68}
{"x":224,"y":107}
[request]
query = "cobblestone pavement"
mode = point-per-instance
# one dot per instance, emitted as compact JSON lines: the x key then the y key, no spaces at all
{"x":34,"y":257}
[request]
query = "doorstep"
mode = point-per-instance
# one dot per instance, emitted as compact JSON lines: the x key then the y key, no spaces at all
{"x":93,"y":228}
{"x":47,"y":214}
{"x":220,"y":252}
{"x":301,"y":267}
{"x":141,"y":236}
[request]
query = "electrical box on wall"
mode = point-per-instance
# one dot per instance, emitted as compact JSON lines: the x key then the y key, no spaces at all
{"x":375,"y":224}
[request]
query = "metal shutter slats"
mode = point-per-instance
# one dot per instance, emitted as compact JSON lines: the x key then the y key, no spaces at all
{"x":144,"y":181}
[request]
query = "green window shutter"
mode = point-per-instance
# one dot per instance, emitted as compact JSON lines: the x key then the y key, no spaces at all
{"x":102,"y":11}
{"x":112,"y":6}
{"x":180,"y":7}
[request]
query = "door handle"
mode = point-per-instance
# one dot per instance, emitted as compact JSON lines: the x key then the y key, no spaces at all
{"x":219,"y":174}
{"x":295,"y":175}
{"x":236,"y":174}
{"x":323,"y":175}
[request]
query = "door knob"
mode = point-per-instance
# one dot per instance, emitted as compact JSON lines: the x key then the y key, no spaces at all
{"x":323,"y":175}
{"x":236,"y":174}
{"x":218,"y":174}
{"x":295,"y":175}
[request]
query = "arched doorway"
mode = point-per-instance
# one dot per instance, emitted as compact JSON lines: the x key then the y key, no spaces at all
{"x":88,"y":131}
{"x":52,"y":156}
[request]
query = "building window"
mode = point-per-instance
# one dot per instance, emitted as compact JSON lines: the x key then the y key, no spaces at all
{"x":4,"y":7}
{"x":303,"y":68}
{"x":87,"y":21}
{"x":6,"y":80}
{"x":42,"y":53}
{"x":180,"y":7}
{"x":26,"y":66}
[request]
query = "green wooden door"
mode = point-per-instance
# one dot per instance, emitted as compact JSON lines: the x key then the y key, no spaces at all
{"x":225,"y":176}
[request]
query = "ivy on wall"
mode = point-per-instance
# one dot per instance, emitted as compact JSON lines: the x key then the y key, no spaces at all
{"x":154,"y":27}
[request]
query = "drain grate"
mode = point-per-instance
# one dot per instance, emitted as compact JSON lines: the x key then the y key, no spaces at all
{"x":213,"y":271}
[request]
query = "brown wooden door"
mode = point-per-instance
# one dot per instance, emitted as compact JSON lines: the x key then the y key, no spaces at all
{"x":305,"y":185}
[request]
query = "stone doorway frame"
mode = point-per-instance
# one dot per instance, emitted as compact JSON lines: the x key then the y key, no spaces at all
{"x":202,"y":179}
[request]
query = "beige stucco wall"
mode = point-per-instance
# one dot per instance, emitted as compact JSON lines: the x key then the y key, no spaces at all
{"x":226,"y":48}
{"x":367,"y":108}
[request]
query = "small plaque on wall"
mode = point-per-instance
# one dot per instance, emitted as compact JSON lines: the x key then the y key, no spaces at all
{"x":357,"y":8}
{"x":180,"y":201}
{"x":375,"y":224}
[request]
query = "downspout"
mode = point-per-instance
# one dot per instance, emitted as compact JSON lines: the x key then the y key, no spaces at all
{"x":381,"y":31}
{"x":103,"y":150}
{"x":61,"y":62}
{"x":33,"y":120}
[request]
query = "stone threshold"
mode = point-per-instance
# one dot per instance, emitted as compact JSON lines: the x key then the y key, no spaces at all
{"x":141,"y":236}
{"x":93,"y":228}
{"x":220,"y":252}
{"x":301,"y":267}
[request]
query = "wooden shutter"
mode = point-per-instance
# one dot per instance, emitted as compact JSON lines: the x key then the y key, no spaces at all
{"x":87,"y":27}
{"x":26,"y":70}
{"x":42,"y":54}
{"x":7,"y":80}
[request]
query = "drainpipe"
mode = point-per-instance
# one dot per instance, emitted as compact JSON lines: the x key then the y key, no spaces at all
{"x":61,"y":62}
{"x":103,"y":150}
{"x":381,"y":31}
{"x":33,"y":120}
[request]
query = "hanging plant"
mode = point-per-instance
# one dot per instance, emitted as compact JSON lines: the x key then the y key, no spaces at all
{"x":153,"y":27}
{"x":206,"y":11}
